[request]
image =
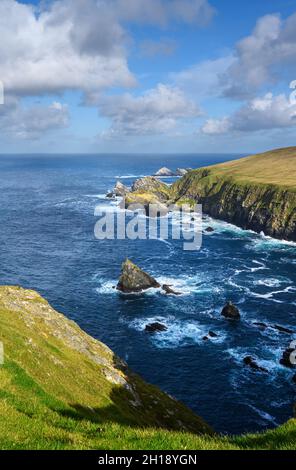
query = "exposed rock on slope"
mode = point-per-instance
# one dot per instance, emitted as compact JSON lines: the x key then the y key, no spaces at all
{"x":134,"y":279}
{"x":257,"y":193}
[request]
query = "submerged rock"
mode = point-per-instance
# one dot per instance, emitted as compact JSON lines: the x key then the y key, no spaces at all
{"x":169,"y":290}
{"x":230,"y":311}
{"x":155,"y":327}
{"x":164,"y":171}
{"x":250,"y":361}
{"x":212,"y":334}
{"x":134,"y":279}
{"x":260,"y":324}
{"x":282,"y":329}
{"x":209,"y":229}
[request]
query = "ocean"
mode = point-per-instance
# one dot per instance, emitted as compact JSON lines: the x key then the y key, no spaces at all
{"x":48,"y":244}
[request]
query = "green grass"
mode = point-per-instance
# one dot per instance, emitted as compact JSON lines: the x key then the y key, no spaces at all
{"x":61,"y":389}
{"x":277,"y":167}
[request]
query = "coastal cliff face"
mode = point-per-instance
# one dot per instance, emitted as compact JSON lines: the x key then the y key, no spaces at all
{"x":262,"y":208}
{"x":233,"y":192}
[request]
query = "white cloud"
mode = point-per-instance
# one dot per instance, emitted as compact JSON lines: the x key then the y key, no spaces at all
{"x":157,"y":111}
{"x":72,"y":45}
{"x":22,"y":122}
{"x":203,"y":79}
{"x":261,"y":56}
{"x":216,"y":126}
{"x":267,"y":112}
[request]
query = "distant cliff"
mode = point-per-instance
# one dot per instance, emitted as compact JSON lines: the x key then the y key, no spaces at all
{"x":257,"y":193}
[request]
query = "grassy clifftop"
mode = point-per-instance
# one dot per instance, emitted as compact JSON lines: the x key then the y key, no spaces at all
{"x":61,"y":389}
{"x":277,"y":167}
{"x":257,"y":192}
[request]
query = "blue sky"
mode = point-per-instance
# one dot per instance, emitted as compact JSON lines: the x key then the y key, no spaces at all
{"x":136,"y":76}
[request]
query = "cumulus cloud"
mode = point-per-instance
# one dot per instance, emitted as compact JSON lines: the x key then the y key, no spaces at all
{"x":18,"y":121}
{"x":74,"y":44}
{"x":159,"y":110}
{"x":261,"y":56}
{"x":267,"y":112}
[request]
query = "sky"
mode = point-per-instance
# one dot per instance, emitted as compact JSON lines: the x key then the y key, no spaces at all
{"x":138,"y":76}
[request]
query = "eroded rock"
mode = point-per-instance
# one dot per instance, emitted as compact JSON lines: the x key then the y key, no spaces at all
{"x":155,"y":327}
{"x":134,"y":279}
{"x":250,"y":361}
{"x":230,"y":311}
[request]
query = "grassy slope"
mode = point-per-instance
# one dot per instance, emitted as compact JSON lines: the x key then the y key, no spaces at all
{"x":61,"y":389}
{"x":277,"y":167}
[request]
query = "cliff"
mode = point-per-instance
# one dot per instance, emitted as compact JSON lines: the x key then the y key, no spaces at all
{"x":62,"y":389}
{"x":257,"y":192}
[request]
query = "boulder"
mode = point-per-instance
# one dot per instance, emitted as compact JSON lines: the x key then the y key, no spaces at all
{"x":230,"y":311}
{"x":209,"y":229}
{"x":169,"y":290}
{"x":134,"y":279}
{"x":155,"y":327}
{"x":164,"y":172}
{"x":250,"y":361}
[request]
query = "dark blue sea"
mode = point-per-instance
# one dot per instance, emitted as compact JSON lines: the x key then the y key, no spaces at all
{"x":48,"y":244}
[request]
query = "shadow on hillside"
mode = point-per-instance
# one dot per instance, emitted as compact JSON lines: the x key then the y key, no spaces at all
{"x":138,"y":404}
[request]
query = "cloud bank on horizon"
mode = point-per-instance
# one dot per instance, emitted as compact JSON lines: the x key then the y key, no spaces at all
{"x":163,"y":75}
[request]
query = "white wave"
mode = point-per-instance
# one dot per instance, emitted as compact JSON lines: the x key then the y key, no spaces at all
{"x":265,"y":242}
{"x":269,"y":282}
{"x":178,"y":333}
{"x":121,"y":177}
{"x":263,"y":414}
{"x":107,"y":287}
{"x":270,"y":295}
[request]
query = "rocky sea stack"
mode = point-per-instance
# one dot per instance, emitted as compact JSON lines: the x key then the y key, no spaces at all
{"x":134,"y":279}
{"x":230,"y":311}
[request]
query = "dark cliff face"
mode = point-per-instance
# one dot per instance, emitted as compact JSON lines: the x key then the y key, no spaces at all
{"x":263,"y":208}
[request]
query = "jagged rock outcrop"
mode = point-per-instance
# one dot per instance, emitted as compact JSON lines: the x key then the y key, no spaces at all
{"x":148,"y":191}
{"x":120,"y":189}
{"x":134,"y":279}
{"x":230,"y":311}
{"x":164,"y":171}
{"x":168,"y":290}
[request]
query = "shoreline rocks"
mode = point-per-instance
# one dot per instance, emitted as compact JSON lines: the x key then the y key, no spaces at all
{"x":230,"y":311}
{"x":164,"y":171}
{"x":133,"y":279}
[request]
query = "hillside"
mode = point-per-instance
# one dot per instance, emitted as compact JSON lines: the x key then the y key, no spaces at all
{"x":61,"y":389}
{"x":256,"y":192}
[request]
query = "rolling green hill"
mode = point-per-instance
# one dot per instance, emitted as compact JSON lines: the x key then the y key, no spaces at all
{"x":256,"y":192}
{"x":61,"y":389}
